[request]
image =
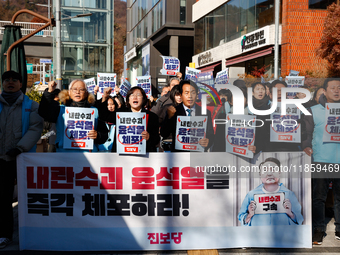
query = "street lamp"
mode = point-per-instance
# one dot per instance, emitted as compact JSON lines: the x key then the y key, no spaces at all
{"x":44,"y":5}
{"x":58,"y":40}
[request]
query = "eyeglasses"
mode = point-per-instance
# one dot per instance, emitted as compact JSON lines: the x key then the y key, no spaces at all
{"x":136,"y":95}
{"x":74,"y":90}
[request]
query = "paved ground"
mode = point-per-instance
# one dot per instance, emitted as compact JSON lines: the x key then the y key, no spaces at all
{"x":330,"y":246}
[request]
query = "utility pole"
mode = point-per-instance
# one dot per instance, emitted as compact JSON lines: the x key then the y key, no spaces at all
{"x":58,"y":45}
{"x":276,"y":47}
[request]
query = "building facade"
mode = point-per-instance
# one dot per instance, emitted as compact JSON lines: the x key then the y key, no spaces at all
{"x":157,"y":28}
{"x":240,"y":35}
{"x":87,"y":42}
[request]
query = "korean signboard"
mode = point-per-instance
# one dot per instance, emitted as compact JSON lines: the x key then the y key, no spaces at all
{"x":78,"y":122}
{"x":189,"y":130}
{"x":129,"y":133}
{"x":105,"y":80}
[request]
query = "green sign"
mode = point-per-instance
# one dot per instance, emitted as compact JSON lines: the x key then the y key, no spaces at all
{"x":29,"y":68}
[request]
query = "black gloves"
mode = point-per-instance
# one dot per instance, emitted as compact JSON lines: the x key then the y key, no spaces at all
{"x":13,"y":152}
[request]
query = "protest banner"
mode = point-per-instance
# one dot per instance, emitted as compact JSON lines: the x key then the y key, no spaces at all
{"x":285,"y":128}
{"x":331,"y":132}
{"x":144,"y":82}
{"x":240,"y":133}
{"x":204,"y":79}
{"x":124,"y":87}
{"x":130,"y":126}
{"x":294,"y":82}
{"x":165,"y":201}
{"x":222,"y":77}
{"x":78,"y":122}
{"x":106,"y":80}
{"x":191,"y":73}
{"x":171,"y":66}
{"x":189,"y":130}
{"x":90,"y":84}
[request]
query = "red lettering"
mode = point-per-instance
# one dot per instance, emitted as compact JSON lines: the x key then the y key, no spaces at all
{"x":78,"y":144}
{"x":285,"y":137}
{"x":239,"y":151}
{"x":335,"y":138}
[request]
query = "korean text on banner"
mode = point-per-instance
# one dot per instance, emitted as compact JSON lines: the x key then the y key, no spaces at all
{"x":90,"y":84}
{"x":205,"y":81}
{"x":124,"y":87}
{"x":285,"y":128}
{"x":294,"y":82}
{"x":240,"y":133}
{"x":191,"y":73}
{"x":144,"y":82}
{"x":130,"y":126}
{"x":101,"y":201}
{"x":171,"y":65}
{"x":222,"y":77}
{"x":106,"y":80}
{"x":78,"y":122}
{"x":331,"y":132}
{"x":189,"y":130}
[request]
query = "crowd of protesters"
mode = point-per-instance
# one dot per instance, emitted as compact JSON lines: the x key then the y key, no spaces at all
{"x":21,"y":127}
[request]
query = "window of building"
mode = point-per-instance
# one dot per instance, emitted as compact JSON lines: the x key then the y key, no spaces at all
{"x":199,"y":36}
{"x":97,"y":4}
{"x":320,"y":4}
{"x":232,"y":20}
{"x":182,"y":11}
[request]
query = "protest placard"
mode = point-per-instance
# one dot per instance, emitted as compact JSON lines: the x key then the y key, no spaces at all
{"x":240,"y":133}
{"x":294,"y":82}
{"x":78,"y":122}
{"x":189,"y":130}
{"x":171,"y":65}
{"x":106,"y":80}
{"x":144,"y":82}
{"x":331,"y":132}
{"x":285,"y":128}
{"x":269,"y":203}
{"x":222,"y":77}
{"x":90,"y":84}
{"x":125,"y":86}
{"x":129,"y":129}
{"x":191,"y":73}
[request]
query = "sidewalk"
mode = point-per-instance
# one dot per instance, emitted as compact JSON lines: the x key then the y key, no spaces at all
{"x":329,"y":246}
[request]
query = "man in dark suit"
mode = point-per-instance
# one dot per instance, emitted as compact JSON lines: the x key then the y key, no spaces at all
{"x":188,"y":107}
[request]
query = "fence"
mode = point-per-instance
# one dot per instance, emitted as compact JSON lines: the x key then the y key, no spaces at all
{"x":27,"y":28}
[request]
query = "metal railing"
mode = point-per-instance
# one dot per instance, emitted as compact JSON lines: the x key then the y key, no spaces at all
{"x":28,"y":27}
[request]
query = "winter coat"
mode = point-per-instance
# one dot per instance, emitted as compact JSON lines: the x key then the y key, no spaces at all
{"x":11,"y":127}
{"x":51,"y":111}
{"x":315,"y":126}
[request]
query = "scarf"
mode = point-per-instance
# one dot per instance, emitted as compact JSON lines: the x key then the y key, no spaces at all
{"x":83,"y":103}
{"x":11,"y":98}
{"x":261,"y":104}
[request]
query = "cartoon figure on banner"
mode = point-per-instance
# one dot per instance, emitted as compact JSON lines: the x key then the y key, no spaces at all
{"x":271,"y":203}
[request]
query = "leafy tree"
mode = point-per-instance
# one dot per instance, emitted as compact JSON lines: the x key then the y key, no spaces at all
{"x":119,"y":35}
{"x":34,"y":94}
{"x":329,"y":48}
